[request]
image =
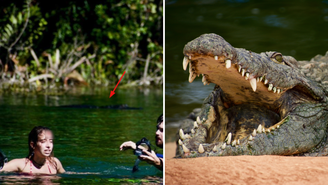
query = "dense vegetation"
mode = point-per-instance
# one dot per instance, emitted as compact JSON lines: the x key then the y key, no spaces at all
{"x":51,"y":43}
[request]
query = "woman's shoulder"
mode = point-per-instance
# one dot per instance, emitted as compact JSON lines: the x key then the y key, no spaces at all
{"x":55,"y":159}
{"x":57,"y":162}
{"x":59,"y":166}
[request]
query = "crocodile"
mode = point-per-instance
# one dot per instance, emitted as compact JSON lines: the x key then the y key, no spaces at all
{"x":120,"y":107}
{"x":262,"y":104}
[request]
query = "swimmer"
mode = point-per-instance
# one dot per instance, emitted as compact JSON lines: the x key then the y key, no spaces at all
{"x":150,"y":157}
{"x":40,"y":159}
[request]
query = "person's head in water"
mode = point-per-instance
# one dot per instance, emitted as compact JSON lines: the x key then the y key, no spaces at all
{"x":40,"y":142}
{"x":159,"y":132}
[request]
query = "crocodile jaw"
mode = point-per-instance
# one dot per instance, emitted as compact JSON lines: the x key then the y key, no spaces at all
{"x":242,"y":87}
{"x":235,"y":74}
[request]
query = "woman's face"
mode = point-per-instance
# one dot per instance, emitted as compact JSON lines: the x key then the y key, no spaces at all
{"x":44,"y":144}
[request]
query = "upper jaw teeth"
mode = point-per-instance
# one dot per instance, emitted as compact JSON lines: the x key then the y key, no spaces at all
{"x":228,"y":64}
{"x":185,"y":63}
{"x":253,"y":84}
{"x":253,"y":81}
{"x":192,"y":74}
{"x":242,"y":72}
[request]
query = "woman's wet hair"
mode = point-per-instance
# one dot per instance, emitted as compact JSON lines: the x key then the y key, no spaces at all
{"x":160,"y":119}
{"x":34,"y":137}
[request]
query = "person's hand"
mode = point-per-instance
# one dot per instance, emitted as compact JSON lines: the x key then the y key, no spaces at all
{"x":128,"y":145}
{"x":151,"y":158}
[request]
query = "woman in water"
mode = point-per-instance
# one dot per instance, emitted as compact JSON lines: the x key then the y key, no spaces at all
{"x":40,"y":159}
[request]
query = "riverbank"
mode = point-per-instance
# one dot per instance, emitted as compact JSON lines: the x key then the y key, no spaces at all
{"x":253,"y":170}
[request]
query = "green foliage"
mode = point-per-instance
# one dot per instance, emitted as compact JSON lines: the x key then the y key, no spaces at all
{"x":114,"y":36}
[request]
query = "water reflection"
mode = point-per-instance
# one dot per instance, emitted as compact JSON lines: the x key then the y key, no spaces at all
{"x":29,"y":179}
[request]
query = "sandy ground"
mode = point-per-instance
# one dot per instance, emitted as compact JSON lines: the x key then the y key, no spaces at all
{"x":245,"y":169}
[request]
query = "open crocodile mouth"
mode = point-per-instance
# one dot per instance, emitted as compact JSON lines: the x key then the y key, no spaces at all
{"x":251,"y":92}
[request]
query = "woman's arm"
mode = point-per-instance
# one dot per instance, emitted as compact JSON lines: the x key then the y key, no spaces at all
{"x":14,"y":165}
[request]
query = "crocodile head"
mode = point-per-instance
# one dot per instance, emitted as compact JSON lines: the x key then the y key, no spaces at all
{"x":262,"y":103}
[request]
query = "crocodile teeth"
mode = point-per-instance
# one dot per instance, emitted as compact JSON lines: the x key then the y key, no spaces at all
{"x":278,"y":126}
{"x":181,"y":134}
{"x":190,"y":57}
{"x":259,"y":129}
{"x":242,"y":72}
{"x":246,"y":76}
{"x":239,"y":68}
{"x":278,"y":91}
{"x":201,"y":149}
{"x":185,"y":149}
{"x":270,"y":87}
{"x":261,"y":78}
{"x":192,"y":131}
{"x":195,"y":124}
{"x":223,"y":146}
{"x":274,"y":89}
{"x":185,"y":63}
{"x":216,"y":57}
{"x":250,"y":138}
{"x":203,"y":78}
{"x":198,"y":120}
{"x":192,"y":77}
{"x":215,"y":149}
{"x":254,"y":133}
{"x":238,"y":142}
{"x":257,"y":79}
{"x":180,"y":142}
{"x":253,"y":84}
{"x":233,"y":143}
{"x":263,"y":130}
{"x":228,"y":64}
{"x":266,"y":81}
{"x":228,"y":139}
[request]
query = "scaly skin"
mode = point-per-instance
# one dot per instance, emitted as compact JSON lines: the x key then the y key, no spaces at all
{"x":264,"y":101}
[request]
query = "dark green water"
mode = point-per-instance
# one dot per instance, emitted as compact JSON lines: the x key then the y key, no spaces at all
{"x":86,"y":140}
{"x":295,"y":27}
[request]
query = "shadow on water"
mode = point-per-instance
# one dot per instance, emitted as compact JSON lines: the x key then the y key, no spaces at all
{"x":86,"y":140}
{"x":297,"y":28}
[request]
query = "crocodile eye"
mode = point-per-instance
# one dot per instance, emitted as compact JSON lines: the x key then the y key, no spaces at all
{"x":277,"y":57}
